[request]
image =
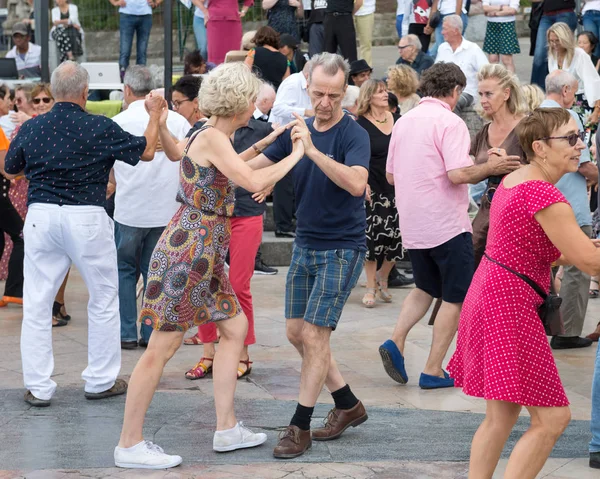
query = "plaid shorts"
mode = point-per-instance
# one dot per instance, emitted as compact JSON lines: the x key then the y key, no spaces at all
{"x":319,"y":283}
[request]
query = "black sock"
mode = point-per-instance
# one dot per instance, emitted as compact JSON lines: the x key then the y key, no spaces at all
{"x":302,"y":417}
{"x":344,"y":398}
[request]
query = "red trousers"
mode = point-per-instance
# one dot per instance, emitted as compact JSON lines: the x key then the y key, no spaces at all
{"x":246,"y":236}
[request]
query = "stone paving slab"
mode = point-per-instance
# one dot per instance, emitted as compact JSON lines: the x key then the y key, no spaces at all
{"x":75,"y":433}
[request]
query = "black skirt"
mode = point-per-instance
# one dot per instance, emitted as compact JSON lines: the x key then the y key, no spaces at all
{"x":383,"y":231}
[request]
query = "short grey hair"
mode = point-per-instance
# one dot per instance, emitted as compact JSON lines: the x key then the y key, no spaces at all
{"x":413,"y":40}
{"x":139,"y":79}
{"x":454,"y":21}
{"x":558,"y":79}
{"x":351,"y":96}
{"x":266,"y":89}
{"x":69,"y":80}
{"x":331,"y":63}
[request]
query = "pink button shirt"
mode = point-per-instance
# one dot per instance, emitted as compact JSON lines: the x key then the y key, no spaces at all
{"x":426,"y":143}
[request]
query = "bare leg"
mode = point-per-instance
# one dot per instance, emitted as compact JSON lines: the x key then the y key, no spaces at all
{"x":233,"y":333}
{"x":371,"y":271}
{"x":444,"y":330}
{"x":494,"y":58}
{"x":386,"y":268}
{"x":334,"y":379}
{"x":489,"y":440}
{"x":60,"y":296}
{"x":144,"y":381}
{"x":414,"y":308}
{"x":507,"y":61}
{"x":532,"y":450}
{"x":315,"y":362}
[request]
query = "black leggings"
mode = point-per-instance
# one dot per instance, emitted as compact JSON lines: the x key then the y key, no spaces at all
{"x":12,"y":224}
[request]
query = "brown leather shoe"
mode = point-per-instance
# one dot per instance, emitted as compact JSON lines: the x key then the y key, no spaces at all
{"x":338,"y":420}
{"x":120,"y":387}
{"x":293,"y":442}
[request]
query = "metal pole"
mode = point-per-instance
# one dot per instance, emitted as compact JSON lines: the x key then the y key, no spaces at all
{"x":168,"y":26}
{"x":41,"y":8}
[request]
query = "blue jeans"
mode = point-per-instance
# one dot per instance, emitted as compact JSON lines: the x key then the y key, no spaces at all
{"x":591,"y":23}
{"x":140,"y":25}
{"x":439,"y":38}
{"x":540,"y":56}
{"x":200,"y":34}
{"x":134,"y":250}
{"x":595,"y":423}
{"x":399,"y":20}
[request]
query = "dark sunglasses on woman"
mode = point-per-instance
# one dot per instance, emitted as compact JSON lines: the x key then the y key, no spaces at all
{"x":572,"y":138}
{"x":37,"y":101}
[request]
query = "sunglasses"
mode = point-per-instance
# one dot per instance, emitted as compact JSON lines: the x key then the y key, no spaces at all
{"x":37,"y":101}
{"x":572,"y":138}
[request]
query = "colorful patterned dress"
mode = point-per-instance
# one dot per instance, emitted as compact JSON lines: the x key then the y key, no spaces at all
{"x":187,"y":283}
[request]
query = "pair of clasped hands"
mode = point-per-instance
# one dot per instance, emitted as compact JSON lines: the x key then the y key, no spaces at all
{"x":301,"y":145}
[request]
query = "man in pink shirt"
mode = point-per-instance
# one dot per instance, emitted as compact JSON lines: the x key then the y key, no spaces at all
{"x":429,"y":164}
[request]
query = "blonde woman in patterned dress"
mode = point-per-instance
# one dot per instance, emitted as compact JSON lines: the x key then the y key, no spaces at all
{"x":187,"y":283}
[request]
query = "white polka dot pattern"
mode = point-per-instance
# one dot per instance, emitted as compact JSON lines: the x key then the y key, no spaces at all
{"x":502,"y":352}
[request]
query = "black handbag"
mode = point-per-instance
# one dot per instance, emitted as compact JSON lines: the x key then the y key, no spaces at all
{"x":549,"y":310}
{"x":537,"y":10}
{"x":436,"y":18}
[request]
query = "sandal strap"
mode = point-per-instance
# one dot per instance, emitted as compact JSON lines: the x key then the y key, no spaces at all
{"x":247,"y":362}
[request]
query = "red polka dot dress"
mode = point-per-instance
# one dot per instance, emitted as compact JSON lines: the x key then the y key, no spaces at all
{"x":502,"y":352}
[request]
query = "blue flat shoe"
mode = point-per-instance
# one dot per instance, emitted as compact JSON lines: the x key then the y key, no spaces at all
{"x":435,"y":382}
{"x":393,"y":361}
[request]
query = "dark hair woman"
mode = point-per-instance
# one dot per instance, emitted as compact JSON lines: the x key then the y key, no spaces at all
{"x":266,"y":60}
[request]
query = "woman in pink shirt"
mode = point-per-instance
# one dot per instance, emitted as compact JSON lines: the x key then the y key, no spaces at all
{"x":224,"y":27}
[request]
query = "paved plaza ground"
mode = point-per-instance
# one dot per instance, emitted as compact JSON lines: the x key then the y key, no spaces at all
{"x":410,"y":434}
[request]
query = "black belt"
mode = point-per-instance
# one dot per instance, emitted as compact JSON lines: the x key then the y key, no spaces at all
{"x":338,"y":14}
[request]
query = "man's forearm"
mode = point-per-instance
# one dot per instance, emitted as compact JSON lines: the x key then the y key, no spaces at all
{"x":472,"y":174}
{"x":343,"y":176}
{"x":151,"y":135}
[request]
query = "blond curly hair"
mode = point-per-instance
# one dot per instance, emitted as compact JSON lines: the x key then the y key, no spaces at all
{"x":228,"y":90}
{"x":534,"y":96}
{"x":402,"y":80}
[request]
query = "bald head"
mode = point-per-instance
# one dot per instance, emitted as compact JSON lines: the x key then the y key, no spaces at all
{"x":266,"y":98}
{"x":69,"y":82}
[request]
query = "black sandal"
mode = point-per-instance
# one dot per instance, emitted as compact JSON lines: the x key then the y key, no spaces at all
{"x":57,"y":312}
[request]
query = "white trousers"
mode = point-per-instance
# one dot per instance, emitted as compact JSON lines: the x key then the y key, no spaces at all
{"x":54,"y":237}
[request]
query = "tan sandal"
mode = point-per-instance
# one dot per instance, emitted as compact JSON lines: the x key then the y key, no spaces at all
{"x":383,"y":293}
{"x":192,"y":341}
{"x":241,"y":373}
{"x":200,"y":370}
{"x":369,"y":303}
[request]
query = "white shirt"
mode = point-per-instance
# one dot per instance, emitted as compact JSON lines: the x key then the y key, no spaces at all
{"x":136,"y":7}
{"x":400,"y":7}
{"x":507,"y":3}
{"x":259,"y":115}
{"x":469,"y":57}
{"x":593,"y":5}
{"x":7,"y":125}
{"x":146,"y":192}
{"x":198,"y":12}
{"x":448,"y":7}
{"x":73,"y":15}
{"x":292,"y":97}
{"x":32,"y":62}
{"x":307,"y":6}
{"x":367,"y":8}
{"x":584,"y":71}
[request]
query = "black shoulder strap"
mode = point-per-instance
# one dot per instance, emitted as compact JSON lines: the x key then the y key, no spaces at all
{"x":537,"y":288}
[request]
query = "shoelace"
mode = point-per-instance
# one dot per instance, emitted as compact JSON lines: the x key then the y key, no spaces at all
{"x":290,"y":433}
{"x":245,"y":431}
{"x":331,"y":418}
{"x":154,"y":448}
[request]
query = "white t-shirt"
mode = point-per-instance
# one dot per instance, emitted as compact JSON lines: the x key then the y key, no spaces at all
{"x":146,"y":192}
{"x":400,"y":7}
{"x":307,"y":6}
{"x":136,"y":7}
{"x":507,"y":3}
{"x":593,"y":5}
{"x":448,"y":7}
{"x":367,"y":8}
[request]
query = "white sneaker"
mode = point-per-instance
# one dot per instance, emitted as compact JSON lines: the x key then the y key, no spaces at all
{"x":145,"y":455}
{"x":238,"y":437}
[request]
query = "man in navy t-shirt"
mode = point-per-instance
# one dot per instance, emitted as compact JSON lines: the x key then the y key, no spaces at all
{"x":329,"y":251}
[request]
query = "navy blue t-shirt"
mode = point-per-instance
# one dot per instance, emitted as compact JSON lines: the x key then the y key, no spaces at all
{"x":67,"y":155}
{"x":328,"y":217}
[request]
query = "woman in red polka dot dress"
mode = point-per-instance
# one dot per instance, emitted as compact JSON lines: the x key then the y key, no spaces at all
{"x":502,"y":353}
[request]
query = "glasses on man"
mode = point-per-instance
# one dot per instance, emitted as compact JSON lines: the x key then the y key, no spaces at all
{"x":403,"y":47}
{"x":177,"y":103}
{"x":572,"y":138}
{"x":37,"y":101}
